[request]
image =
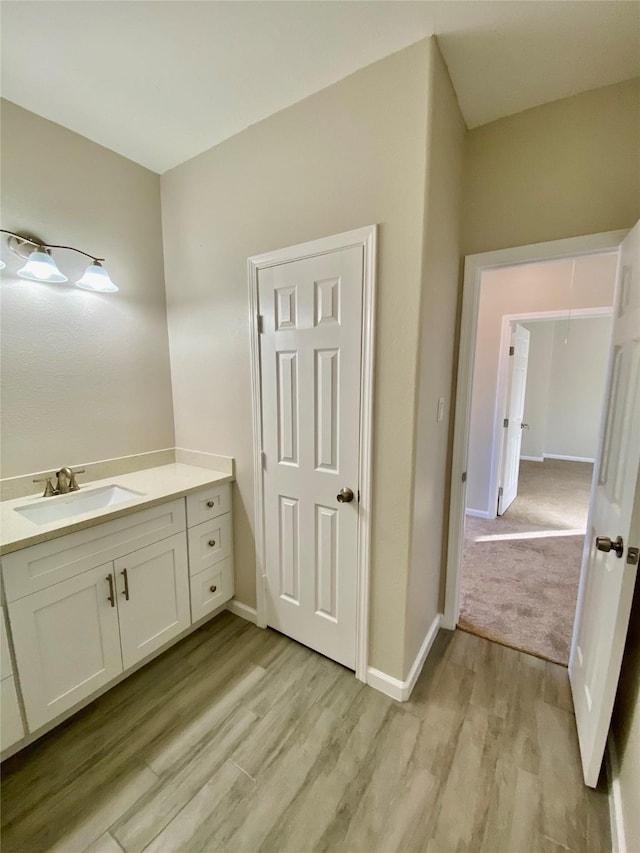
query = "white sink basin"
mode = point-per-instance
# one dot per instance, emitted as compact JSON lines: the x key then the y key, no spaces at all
{"x":76,"y":503}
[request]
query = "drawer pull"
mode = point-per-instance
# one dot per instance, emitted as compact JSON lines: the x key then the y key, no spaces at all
{"x":212,"y":543}
{"x":111,"y":597}
{"x":125,"y":591}
{"x":211,"y":504}
{"x":213,"y":588}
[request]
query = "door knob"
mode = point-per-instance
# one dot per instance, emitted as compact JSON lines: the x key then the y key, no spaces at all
{"x":524,"y":426}
{"x":603,"y":543}
{"x":345,"y":495}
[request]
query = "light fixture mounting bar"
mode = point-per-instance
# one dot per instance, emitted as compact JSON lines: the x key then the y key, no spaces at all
{"x":33,"y":241}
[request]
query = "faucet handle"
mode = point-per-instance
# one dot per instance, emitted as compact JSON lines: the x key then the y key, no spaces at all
{"x":48,"y":489}
{"x":73,"y":486}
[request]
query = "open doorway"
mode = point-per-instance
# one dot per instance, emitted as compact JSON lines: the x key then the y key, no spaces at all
{"x":606,"y":580}
{"x":521,"y":562}
{"x":514,"y":578}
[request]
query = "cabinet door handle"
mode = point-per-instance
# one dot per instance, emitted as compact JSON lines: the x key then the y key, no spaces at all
{"x":210,"y":504}
{"x":212,"y":543}
{"x":213,"y":588}
{"x":111,"y":597}
{"x":125,"y":591}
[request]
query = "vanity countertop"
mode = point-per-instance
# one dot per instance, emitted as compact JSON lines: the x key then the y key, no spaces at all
{"x":155,"y":485}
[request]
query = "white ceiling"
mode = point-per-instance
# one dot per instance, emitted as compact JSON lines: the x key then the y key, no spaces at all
{"x":160,"y":81}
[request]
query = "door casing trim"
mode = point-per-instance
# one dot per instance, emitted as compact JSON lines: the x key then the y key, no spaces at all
{"x":474,"y":267}
{"x":366,"y":238}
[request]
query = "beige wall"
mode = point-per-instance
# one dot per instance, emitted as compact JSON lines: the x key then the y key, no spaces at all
{"x":440,"y":278}
{"x":563,"y":411}
{"x":564,"y":169}
{"x":519,"y":290}
{"x":575,"y":405}
{"x":85,"y":376}
{"x":352,"y":155}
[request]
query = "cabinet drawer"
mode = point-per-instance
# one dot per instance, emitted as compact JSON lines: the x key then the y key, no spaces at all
{"x":209,"y":543}
{"x":208,"y":503}
{"x":5,"y":658}
{"x":211,"y":588}
{"x":11,"y":727}
{"x":43,"y":565}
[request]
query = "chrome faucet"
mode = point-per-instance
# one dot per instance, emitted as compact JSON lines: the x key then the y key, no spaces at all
{"x":65,"y":482}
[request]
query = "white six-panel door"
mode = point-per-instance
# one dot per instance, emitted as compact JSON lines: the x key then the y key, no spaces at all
{"x":310,"y":352}
{"x":607,"y":582}
{"x":518,"y":364}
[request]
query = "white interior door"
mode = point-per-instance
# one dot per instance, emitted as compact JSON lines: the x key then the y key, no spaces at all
{"x":608,"y":577}
{"x":310,"y":350}
{"x":517,"y":385}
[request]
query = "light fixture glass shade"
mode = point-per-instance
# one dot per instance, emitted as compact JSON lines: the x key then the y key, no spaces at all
{"x":41,"y":267}
{"x":96,"y":278}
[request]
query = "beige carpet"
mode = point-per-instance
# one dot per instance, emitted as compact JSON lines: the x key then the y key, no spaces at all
{"x":522,"y":591}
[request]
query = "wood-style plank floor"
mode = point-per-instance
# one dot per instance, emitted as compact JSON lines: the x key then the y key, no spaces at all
{"x":239,"y":739}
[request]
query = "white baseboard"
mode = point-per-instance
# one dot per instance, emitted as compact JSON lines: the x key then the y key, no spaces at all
{"x":569,"y":458}
{"x":243,"y":610}
{"x":386,"y":684}
{"x":618,"y":841}
{"x":478,"y":513}
{"x":532,"y":458}
{"x":421,"y":657}
{"x":401,"y":690}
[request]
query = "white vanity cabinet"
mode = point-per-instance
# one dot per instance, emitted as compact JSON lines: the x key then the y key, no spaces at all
{"x":86,"y":607}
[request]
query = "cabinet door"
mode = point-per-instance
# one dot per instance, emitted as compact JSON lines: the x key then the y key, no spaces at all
{"x":66,"y":642}
{"x":153,"y":597}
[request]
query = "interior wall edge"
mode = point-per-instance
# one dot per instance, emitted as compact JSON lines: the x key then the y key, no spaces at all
{"x":438,"y":311}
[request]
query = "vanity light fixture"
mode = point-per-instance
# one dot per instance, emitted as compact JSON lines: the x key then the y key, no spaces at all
{"x":41,"y":267}
{"x":96,"y":277}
